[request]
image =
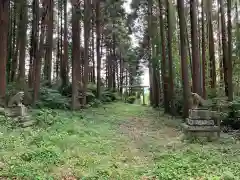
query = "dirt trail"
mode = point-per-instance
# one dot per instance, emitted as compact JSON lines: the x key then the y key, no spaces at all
{"x":143,"y":133}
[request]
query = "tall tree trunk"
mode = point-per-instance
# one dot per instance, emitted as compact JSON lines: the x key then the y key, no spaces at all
{"x":64,"y":72}
{"x":126,"y":79}
{"x":121,"y":75}
{"x":15,"y":59}
{"x":203,"y":54}
{"x":23,"y":40}
{"x":230,"y":83}
{"x":4,"y":12}
{"x":49,"y":43}
{"x":163,"y":61}
{"x":157,"y":75}
{"x":58,"y":62}
{"x":93,"y":46}
{"x":98,"y":39}
{"x":220,"y":48}
{"x":75,"y":55}
{"x":87,"y":25}
{"x":34,"y":42}
{"x":11,"y":31}
{"x":184,"y":66}
{"x":114,"y":61}
{"x":39,"y":56}
{"x":189,"y":49}
{"x":224,"y":46}
{"x":61,"y":37}
{"x":149,"y":32}
{"x":14,"y":64}
{"x":211,"y":48}
{"x":109,"y":69}
{"x":14,"y":43}
{"x":195,"y":50}
{"x":117,"y":76}
{"x":170,"y":61}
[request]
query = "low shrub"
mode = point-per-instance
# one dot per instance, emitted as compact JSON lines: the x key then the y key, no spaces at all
{"x":46,"y":117}
{"x":229,"y":112}
{"x":109,"y":96}
{"x":59,"y":97}
{"x":233,"y":118}
{"x":178,"y":105}
{"x":106,"y":95}
{"x":95,"y":103}
{"x":131,"y":99}
{"x":53,"y":99}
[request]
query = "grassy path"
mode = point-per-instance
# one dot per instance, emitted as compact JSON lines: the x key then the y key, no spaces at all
{"x":117,"y":141}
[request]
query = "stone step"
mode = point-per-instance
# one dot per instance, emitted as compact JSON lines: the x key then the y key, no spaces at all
{"x":200,"y":128}
{"x":27,"y":123}
{"x":200,"y":122}
{"x":201,"y":114}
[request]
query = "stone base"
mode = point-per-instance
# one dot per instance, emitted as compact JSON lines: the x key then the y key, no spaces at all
{"x":198,"y":132}
{"x":200,"y":122}
{"x":200,"y":128}
{"x":27,"y":124}
{"x":16,"y":111}
{"x":19,"y":116}
{"x":203,"y":114}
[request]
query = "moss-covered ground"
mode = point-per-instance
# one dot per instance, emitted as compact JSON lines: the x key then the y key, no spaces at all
{"x":116,"y":141}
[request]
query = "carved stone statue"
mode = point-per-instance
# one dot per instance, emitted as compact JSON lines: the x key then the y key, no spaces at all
{"x":16,"y":100}
{"x":17,"y":111}
{"x":196,"y":101}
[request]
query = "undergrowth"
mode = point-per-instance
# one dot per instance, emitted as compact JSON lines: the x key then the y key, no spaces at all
{"x":60,"y":97}
{"x":91,"y":145}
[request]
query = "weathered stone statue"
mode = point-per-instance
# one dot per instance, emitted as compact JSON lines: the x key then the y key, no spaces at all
{"x":16,"y":99}
{"x":201,"y":121}
{"x":17,"y":111}
{"x":196,"y":101}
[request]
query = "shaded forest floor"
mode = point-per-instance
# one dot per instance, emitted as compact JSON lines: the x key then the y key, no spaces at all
{"x":117,"y":141}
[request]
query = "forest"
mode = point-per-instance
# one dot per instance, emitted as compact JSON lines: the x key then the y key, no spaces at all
{"x":74,"y":104}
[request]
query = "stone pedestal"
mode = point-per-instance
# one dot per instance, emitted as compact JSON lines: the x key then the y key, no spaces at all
{"x":17,"y":111}
{"x":201,"y":123}
{"x":19,"y":116}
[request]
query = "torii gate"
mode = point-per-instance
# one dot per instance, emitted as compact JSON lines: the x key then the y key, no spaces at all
{"x":140,"y":87}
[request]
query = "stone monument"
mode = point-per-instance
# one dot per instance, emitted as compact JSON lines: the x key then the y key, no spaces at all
{"x":201,"y":122}
{"x":17,"y":112}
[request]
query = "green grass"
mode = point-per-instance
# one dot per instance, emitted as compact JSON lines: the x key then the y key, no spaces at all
{"x":117,"y":141}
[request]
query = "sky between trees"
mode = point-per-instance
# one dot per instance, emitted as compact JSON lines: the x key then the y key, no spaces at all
{"x":145,"y":76}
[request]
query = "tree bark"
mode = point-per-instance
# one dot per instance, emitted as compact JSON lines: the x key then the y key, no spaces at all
{"x":149,"y":32}
{"x":49,"y":43}
{"x":163,"y":61}
{"x":211,"y":48}
{"x":4,"y":12}
{"x":230,"y":73}
{"x":170,"y":61}
{"x":224,"y":46}
{"x":87,"y":25}
{"x":11,"y":31}
{"x":23,"y":41}
{"x":98,"y":40}
{"x":184,"y":66}
{"x":75,"y":55}
{"x":64,"y":72}
{"x":93,"y":46}
{"x":195,"y":50}
{"x":34,"y":42}
{"x":203,"y":54}
{"x":39,"y":56}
